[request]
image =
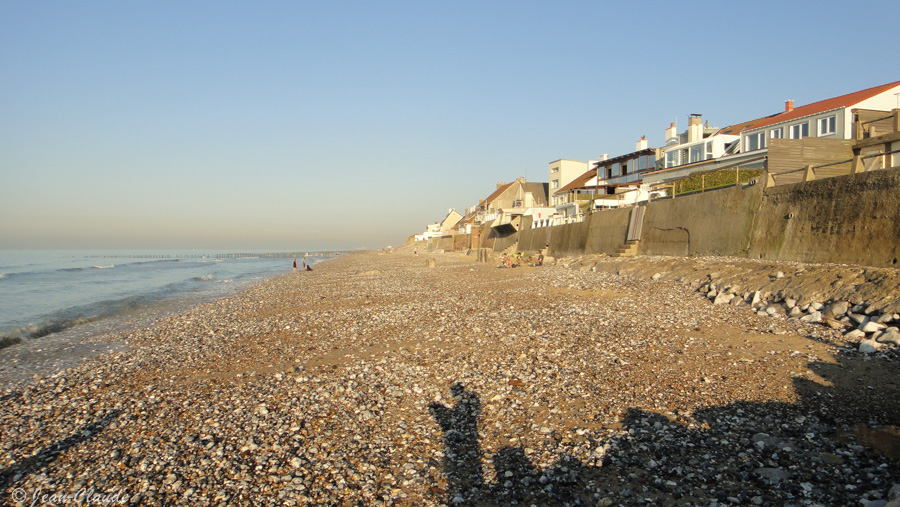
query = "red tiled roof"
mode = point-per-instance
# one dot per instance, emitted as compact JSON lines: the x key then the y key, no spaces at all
{"x":827,"y":105}
{"x":733,"y":130}
{"x":578,"y":182}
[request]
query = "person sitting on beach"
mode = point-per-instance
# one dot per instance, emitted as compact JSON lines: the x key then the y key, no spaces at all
{"x":503,"y":261}
{"x":308,"y":268}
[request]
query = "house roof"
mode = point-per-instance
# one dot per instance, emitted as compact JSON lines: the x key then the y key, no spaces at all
{"x":538,"y":190}
{"x":634,"y":154}
{"x":578,"y":182}
{"x":468,"y":219}
{"x":497,"y":193}
{"x":736,"y":129}
{"x":827,"y":105}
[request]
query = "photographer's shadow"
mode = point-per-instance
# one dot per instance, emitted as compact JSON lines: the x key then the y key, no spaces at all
{"x":518,"y":480}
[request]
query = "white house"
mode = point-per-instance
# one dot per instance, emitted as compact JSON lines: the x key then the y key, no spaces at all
{"x":830,"y":118}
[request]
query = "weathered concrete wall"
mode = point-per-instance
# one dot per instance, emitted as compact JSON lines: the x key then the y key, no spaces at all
{"x":569,"y":239}
{"x":462,"y":242}
{"x":853,"y":219}
{"x":608,"y":230}
{"x":710,"y":223}
{"x":444,"y":243}
{"x":532,"y":240}
{"x":505,"y":241}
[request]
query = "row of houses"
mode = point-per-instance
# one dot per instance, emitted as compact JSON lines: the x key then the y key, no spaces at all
{"x":855,"y":132}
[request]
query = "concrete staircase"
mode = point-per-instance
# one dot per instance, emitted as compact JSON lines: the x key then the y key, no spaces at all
{"x":629,"y":249}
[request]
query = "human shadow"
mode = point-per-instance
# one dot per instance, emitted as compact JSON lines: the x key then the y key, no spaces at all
{"x":462,"y":453}
{"x":518,"y":480}
{"x":32,"y":464}
{"x":746,"y":453}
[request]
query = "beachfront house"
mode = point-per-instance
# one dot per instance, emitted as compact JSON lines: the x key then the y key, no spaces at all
{"x":829,"y":119}
{"x":816,"y":140}
{"x":705,"y":150}
{"x":562,"y":172}
{"x":610,"y":183}
{"x":441,"y":227}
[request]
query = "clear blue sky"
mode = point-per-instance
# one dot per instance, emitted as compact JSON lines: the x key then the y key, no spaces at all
{"x":334,"y":124}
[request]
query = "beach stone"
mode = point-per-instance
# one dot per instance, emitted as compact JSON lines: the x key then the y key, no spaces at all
{"x":815,"y":316}
{"x":723,"y":299}
{"x":854,"y":334}
{"x":857,"y":318}
{"x":869,"y":346}
{"x":656,"y":277}
{"x":837,"y":309}
{"x":889,"y":335}
{"x":871,"y":327}
{"x":771,"y":475}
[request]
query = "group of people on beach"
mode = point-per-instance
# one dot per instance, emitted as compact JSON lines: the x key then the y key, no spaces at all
{"x":512,"y":261}
{"x":305,"y":266}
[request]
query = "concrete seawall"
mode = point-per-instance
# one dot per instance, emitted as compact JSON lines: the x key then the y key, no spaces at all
{"x":851,"y":219}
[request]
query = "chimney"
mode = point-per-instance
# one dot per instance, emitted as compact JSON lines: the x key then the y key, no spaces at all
{"x":500,"y":184}
{"x":605,"y":156}
{"x":521,"y":179}
{"x":695,"y":128}
{"x":641,"y":145}
{"x":788,"y":106}
{"x":670,"y":132}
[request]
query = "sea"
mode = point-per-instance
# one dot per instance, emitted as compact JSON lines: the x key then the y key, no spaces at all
{"x":53,"y":301}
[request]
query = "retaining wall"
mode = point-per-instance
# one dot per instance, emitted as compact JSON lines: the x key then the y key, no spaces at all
{"x":853,"y":219}
{"x":718,"y":222}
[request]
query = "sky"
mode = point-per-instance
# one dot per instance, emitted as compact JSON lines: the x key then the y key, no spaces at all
{"x":341,"y":125}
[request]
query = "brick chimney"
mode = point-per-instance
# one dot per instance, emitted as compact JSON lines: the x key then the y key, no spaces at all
{"x":500,"y":184}
{"x":788,"y":106}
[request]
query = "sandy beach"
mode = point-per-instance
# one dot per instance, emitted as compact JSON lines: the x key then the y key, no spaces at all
{"x":375,"y":379}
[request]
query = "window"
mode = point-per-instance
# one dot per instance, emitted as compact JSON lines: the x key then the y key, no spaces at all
{"x":624,"y":168}
{"x":554,"y":184}
{"x":672,"y":159}
{"x":776,"y":133}
{"x":696,"y":153}
{"x":615,"y":170}
{"x":800,"y":130}
{"x":827,"y":126}
{"x":554,"y":169}
{"x":709,"y":150}
{"x":756,"y":141}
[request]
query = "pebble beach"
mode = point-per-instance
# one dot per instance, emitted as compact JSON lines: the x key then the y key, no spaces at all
{"x":385,"y":379}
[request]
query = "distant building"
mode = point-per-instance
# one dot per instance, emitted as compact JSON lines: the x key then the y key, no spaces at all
{"x":440,"y":228}
{"x":562,"y":172}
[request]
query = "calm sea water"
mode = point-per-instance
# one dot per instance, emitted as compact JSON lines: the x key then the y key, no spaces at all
{"x":47,"y":292}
